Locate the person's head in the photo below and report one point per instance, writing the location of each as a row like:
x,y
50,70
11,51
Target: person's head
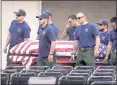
x,y
113,22
81,18
43,18
103,25
20,14
49,13
72,20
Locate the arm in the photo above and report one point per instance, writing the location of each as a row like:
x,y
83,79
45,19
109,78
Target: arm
x,y
97,42
52,48
109,47
37,38
75,46
8,39
26,33
64,34
7,42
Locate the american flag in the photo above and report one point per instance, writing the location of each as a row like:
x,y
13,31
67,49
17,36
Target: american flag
x,y
63,48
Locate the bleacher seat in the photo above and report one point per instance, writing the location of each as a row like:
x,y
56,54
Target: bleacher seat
x,y
21,78
42,81
104,83
107,67
104,74
44,68
57,75
72,80
106,70
81,71
68,68
86,75
63,71
17,68
36,71
99,78
4,79
92,68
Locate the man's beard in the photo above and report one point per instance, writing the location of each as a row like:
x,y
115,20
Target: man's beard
x,y
101,30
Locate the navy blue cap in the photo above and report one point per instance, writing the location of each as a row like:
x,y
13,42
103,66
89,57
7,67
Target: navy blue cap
x,y
20,12
103,22
43,16
113,19
48,12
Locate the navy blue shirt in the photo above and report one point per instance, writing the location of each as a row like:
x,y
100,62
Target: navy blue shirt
x,y
71,31
19,31
47,35
85,34
104,37
113,38
55,28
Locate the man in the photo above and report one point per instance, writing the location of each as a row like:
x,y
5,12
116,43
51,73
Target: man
x,y
112,42
55,28
47,42
104,34
71,28
19,31
87,40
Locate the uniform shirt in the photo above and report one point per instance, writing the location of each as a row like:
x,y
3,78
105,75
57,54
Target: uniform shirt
x,y
55,28
47,35
86,34
71,31
113,38
18,31
104,37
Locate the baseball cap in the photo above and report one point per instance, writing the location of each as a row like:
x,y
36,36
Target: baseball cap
x,y
43,16
20,12
113,19
103,22
48,12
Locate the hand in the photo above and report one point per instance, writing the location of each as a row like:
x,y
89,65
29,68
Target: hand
x,y
5,50
72,56
50,58
105,60
96,52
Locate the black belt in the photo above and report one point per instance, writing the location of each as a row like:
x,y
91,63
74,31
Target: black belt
x,y
83,49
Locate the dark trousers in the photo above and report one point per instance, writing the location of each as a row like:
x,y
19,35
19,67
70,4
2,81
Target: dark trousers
x,y
44,61
113,58
8,60
86,58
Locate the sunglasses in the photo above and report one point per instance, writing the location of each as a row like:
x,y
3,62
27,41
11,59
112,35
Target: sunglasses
x,y
80,17
40,18
18,15
70,21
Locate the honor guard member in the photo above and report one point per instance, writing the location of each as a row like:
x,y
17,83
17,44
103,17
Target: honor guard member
x,y
87,40
72,25
103,29
55,28
112,45
47,42
19,31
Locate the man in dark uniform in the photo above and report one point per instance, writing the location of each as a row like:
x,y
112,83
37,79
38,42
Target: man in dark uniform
x,y
47,42
70,30
103,29
87,40
112,42
19,31
55,28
